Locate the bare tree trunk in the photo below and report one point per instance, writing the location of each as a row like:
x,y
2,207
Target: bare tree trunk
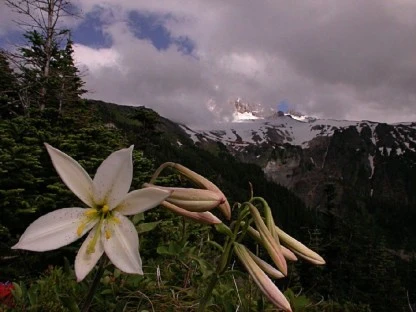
x,y
48,48
61,95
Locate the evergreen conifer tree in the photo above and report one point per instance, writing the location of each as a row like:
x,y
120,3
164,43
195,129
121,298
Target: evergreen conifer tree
x,y
8,89
70,84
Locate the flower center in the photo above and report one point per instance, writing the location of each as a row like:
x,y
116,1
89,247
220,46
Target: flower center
x,y
105,215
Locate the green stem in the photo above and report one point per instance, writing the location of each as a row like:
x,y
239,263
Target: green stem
x,y
159,171
221,267
225,258
94,285
184,236
208,292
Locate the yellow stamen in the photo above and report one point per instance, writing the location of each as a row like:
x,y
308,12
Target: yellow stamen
x,y
91,212
115,220
81,228
91,247
107,234
93,242
105,209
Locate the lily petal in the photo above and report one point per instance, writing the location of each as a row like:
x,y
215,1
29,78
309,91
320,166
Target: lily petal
x,y
54,230
113,178
121,244
73,175
85,261
141,200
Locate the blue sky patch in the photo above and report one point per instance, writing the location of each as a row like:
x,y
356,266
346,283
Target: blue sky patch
x,y
283,106
151,27
90,32
12,39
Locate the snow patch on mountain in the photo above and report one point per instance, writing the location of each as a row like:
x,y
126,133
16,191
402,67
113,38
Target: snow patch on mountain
x,y
371,161
241,117
253,124
283,129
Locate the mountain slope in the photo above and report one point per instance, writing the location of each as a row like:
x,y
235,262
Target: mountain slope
x,y
343,164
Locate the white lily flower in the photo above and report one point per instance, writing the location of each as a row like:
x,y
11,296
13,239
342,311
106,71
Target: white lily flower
x,y
109,202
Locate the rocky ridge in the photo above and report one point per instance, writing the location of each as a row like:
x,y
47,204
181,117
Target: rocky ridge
x,y
324,161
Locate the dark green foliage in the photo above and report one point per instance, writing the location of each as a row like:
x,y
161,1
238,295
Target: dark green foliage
x,y
360,267
48,80
55,291
35,84
67,83
9,101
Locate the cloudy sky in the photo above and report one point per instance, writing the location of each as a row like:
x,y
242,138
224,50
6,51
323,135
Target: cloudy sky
x,y
327,58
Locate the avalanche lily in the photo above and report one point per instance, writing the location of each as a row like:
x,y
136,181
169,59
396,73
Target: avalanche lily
x,y
109,202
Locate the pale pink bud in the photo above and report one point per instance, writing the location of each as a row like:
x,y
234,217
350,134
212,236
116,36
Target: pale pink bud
x,y
266,267
268,241
299,248
200,217
224,207
289,255
265,284
195,200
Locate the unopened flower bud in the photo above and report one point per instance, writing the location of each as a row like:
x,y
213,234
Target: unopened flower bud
x,y
299,248
204,183
265,284
201,217
289,255
191,199
267,268
268,241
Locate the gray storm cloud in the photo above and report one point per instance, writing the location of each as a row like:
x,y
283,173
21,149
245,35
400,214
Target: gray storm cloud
x,y
328,58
